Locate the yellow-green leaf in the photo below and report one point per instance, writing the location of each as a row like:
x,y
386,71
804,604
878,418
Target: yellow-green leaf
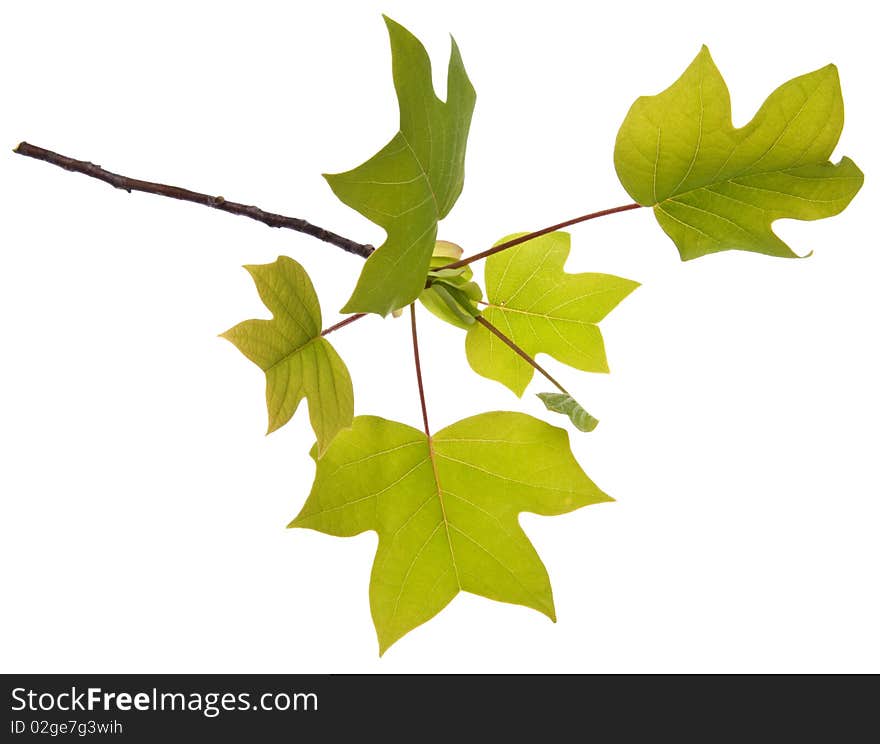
x,y
542,309
298,362
446,510
413,182
714,187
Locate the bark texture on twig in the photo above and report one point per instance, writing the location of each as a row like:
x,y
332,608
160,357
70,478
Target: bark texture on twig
x,y
175,192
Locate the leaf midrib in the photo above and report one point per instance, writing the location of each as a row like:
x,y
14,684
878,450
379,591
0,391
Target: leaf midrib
x,y
444,523
433,457
732,180
545,316
424,175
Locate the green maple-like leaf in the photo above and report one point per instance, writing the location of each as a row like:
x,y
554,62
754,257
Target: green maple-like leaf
x,y
412,182
714,187
297,361
446,510
542,309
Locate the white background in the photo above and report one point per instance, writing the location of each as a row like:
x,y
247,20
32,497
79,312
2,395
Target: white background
x,y
144,512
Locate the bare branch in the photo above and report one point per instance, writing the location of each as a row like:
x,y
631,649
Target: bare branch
x,y
175,192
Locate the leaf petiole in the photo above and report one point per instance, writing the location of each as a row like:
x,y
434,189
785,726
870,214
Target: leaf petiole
x,y
538,233
415,342
343,323
561,402
492,329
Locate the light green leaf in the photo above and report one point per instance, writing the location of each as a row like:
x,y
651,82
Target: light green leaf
x,y
445,252
714,187
450,303
447,273
566,405
452,294
413,182
297,361
542,309
446,510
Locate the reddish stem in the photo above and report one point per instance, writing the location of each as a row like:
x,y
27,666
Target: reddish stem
x,y
537,234
485,323
343,323
415,340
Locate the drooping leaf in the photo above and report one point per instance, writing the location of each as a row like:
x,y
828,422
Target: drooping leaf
x,y
446,510
714,187
413,182
542,309
289,348
566,405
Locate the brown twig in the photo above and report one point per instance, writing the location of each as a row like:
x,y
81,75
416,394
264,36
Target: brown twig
x,y
175,192
537,234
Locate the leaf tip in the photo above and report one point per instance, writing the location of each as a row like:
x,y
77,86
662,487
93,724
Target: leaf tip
x,y
252,269
454,52
298,522
391,24
703,56
385,642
